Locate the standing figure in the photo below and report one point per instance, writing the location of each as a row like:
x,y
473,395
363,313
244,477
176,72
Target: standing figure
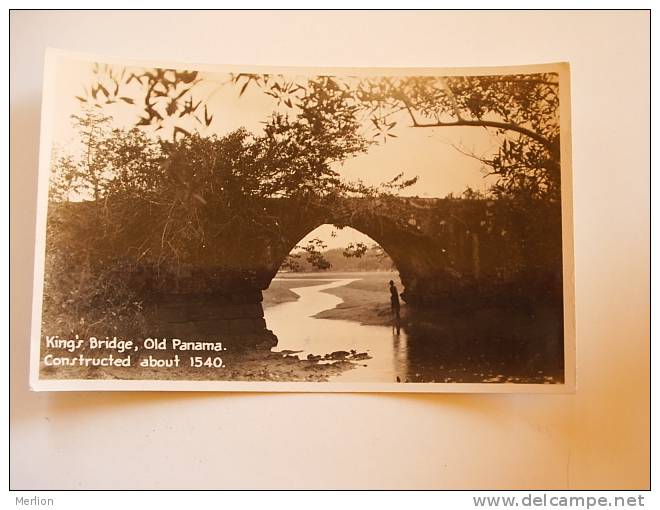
x,y
396,306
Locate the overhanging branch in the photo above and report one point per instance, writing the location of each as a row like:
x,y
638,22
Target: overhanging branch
x,y
506,126
493,124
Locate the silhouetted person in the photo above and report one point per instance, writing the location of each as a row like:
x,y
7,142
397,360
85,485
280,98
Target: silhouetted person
x,y
396,306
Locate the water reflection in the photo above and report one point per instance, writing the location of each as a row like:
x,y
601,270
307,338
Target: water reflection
x,y
432,346
302,335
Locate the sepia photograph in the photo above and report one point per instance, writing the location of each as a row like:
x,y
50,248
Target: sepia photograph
x,y
364,252
293,229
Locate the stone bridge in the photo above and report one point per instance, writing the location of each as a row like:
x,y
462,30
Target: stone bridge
x,y
434,243
448,252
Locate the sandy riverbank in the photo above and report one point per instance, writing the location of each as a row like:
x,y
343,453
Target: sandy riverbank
x,y
280,289
366,300
488,344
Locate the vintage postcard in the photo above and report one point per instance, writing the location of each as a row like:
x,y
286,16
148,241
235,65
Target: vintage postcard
x,y
230,228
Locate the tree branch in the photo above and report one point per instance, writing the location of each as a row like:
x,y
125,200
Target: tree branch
x,y
552,148
452,99
493,124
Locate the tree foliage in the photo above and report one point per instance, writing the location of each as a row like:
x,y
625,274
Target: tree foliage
x,y
317,122
521,110
194,185
161,94
313,254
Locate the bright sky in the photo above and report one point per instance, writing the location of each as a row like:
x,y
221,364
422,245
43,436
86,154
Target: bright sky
x,y
334,237
429,153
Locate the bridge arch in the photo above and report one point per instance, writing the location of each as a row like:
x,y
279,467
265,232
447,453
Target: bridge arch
x,y
414,255
338,238
447,251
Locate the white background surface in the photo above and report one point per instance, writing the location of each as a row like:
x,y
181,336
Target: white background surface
x,y
597,438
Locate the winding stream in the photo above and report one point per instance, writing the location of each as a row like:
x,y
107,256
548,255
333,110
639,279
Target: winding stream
x,y
495,345
297,330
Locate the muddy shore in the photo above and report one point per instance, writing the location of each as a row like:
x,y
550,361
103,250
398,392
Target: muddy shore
x,y
244,365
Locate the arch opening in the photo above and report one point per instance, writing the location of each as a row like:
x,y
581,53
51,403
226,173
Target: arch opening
x,y
335,272
332,248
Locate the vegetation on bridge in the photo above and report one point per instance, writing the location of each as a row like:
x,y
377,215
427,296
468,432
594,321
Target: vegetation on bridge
x,y
149,208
